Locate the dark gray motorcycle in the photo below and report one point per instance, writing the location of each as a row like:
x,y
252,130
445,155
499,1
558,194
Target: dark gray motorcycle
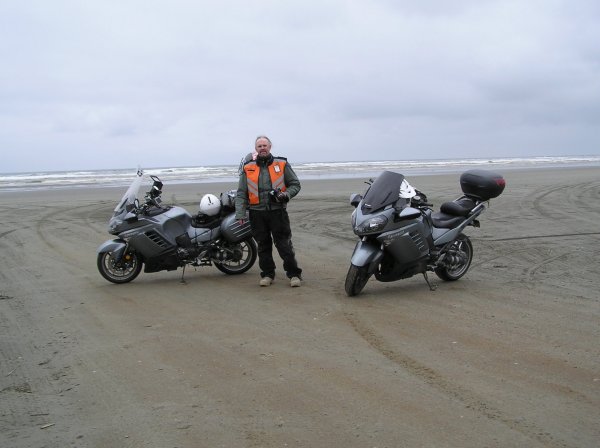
x,y
160,238
401,237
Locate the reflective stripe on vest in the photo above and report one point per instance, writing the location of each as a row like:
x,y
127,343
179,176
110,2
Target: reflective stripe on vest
x,y
276,171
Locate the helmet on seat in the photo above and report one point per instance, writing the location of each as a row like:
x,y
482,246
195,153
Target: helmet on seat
x,y
210,205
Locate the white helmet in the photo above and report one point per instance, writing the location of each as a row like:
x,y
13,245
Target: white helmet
x,y
406,190
210,205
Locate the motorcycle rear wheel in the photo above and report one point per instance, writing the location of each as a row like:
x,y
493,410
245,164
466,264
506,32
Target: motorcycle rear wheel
x,y
461,254
119,271
356,279
244,256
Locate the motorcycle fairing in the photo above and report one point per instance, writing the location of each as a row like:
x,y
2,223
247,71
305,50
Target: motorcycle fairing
x,y
390,270
168,262
384,191
407,243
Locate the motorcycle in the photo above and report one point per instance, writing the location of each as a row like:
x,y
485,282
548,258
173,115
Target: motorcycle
x,y
401,237
159,237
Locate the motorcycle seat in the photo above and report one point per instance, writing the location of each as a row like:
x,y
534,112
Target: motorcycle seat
x,y
452,213
459,207
445,221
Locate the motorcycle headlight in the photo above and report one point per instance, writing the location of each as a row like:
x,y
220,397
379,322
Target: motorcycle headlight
x,y
353,219
372,225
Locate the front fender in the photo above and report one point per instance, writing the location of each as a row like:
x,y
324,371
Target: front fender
x,y
117,247
367,253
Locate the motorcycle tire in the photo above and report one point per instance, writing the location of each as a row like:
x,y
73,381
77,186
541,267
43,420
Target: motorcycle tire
x,y
122,271
245,253
356,279
461,254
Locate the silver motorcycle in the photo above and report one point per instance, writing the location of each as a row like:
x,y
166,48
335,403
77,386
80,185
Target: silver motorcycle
x,y
402,237
157,237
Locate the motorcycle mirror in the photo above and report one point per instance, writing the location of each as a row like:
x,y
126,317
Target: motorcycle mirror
x,y
355,199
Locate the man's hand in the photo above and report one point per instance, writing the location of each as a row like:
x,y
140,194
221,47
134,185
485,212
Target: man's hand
x,y
282,196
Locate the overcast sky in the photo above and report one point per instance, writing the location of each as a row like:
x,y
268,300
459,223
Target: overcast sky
x,y
120,83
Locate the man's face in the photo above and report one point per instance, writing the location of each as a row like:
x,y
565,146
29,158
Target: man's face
x,y
263,147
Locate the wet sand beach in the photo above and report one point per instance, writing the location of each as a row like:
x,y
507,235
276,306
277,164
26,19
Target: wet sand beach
x,y
508,356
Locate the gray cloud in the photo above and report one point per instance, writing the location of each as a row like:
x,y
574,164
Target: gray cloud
x,y
104,84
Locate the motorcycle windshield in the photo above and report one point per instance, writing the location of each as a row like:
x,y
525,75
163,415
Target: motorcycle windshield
x,y
128,199
384,191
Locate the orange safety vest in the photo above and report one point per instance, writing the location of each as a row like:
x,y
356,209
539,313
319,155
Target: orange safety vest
x,y
276,171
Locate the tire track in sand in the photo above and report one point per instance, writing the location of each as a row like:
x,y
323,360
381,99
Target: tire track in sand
x,y
3,234
48,221
437,381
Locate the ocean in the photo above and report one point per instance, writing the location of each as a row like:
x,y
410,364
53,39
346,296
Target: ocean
x,y
321,170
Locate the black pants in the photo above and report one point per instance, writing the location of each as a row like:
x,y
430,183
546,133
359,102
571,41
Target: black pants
x,y
274,226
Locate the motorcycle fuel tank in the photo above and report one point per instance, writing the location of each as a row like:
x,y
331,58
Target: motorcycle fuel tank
x,y
174,222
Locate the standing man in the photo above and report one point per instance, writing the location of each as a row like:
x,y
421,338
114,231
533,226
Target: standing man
x,y
266,185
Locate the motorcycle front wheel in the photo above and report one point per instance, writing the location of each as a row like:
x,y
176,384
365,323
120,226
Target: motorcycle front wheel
x,y
457,260
119,271
240,257
356,279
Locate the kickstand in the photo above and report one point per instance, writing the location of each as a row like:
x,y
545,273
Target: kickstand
x,y
432,287
182,280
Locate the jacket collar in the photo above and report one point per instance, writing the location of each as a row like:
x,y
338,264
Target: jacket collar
x,y
266,161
